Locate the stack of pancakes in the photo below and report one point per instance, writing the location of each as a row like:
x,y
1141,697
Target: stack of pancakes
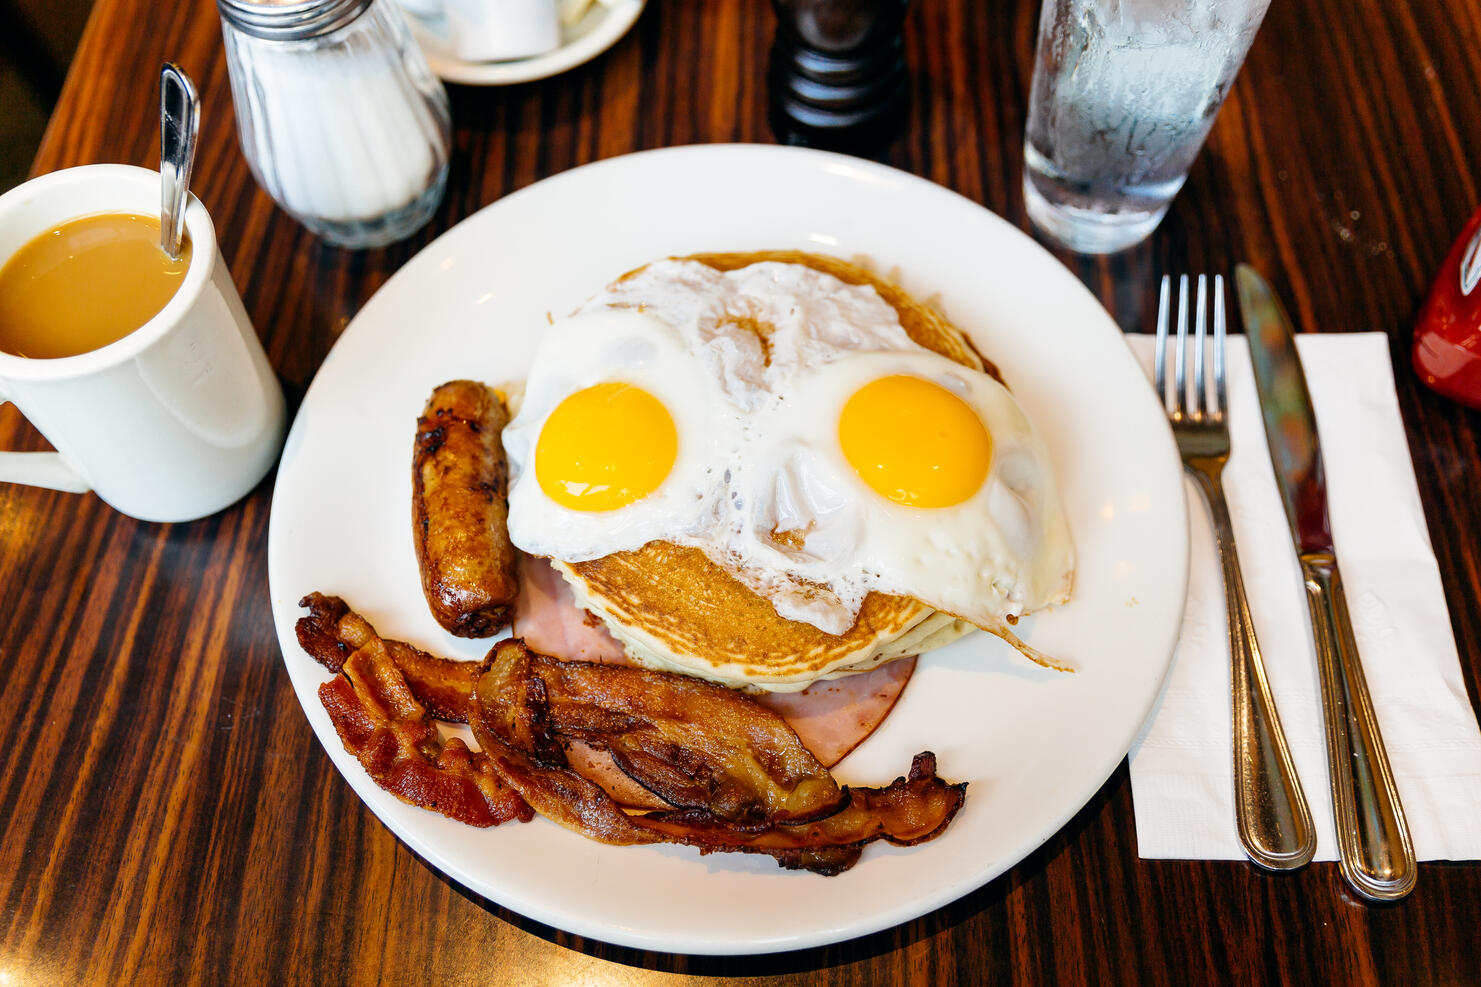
x,y
675,609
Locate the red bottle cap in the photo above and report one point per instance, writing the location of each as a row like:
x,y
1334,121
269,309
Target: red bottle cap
x,y
1447,338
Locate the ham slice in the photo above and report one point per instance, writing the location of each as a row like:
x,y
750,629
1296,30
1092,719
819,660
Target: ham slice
x,y
547,617
831,717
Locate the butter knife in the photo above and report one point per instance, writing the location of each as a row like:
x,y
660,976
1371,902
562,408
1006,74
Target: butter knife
x,y
1373,842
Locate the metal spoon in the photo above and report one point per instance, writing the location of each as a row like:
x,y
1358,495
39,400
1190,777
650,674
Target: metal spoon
x,y
179,124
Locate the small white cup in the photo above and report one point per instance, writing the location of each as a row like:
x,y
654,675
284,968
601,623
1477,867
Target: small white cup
x,y
175,421
500,30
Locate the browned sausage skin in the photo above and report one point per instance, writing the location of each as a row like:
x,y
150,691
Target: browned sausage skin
x,y
459,507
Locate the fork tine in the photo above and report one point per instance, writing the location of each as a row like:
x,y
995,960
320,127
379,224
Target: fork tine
x,y
1200,332
1160,361
1219,389
1180,353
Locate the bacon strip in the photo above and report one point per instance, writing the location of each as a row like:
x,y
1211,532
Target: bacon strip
x,y
737,777
396,741
908,811
694,744
331,631
515,720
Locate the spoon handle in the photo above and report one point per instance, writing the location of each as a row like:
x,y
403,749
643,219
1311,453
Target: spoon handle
x,y
179,123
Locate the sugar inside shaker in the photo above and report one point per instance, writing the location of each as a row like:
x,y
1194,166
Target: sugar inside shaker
x,y
339,117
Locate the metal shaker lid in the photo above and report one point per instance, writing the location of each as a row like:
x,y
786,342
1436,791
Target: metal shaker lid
x,y
290,20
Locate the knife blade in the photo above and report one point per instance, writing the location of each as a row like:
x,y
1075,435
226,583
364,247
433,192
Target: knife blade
x,y
1375,850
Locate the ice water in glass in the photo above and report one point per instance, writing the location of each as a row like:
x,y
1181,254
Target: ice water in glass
x,y
1124,93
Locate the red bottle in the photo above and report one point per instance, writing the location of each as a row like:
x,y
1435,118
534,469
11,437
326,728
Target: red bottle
x,y
1447,338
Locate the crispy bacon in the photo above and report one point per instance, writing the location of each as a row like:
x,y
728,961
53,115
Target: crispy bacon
x,y
514,717
692,743
908,811
331,631
379,720
736,776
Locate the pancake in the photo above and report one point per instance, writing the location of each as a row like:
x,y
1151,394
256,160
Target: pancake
x,y
675,609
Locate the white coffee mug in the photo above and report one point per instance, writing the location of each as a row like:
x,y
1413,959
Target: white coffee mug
x,y
178,419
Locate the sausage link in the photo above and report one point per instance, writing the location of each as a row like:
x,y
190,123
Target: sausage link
x,y
459,508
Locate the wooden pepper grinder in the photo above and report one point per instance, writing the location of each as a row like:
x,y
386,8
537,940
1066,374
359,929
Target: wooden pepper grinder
x,y
837,76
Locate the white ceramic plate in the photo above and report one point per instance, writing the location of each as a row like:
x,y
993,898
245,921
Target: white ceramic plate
x,y
1035,745
593,34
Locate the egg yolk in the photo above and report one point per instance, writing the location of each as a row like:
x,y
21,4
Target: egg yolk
x,y
605,447
915,442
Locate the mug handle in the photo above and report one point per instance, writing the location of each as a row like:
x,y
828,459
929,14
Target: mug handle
x,y
39,469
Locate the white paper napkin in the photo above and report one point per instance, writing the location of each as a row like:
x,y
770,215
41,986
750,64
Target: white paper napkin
x,y
1181,764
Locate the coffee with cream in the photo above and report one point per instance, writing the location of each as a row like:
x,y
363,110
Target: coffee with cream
x,y
84,284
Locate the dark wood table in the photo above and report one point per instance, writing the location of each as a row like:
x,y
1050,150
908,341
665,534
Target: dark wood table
x,y
167,816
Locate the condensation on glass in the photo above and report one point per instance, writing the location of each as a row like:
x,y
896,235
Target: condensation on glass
x,y
1124,93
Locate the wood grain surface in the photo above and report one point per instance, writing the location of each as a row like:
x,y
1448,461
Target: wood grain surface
x,y
166,814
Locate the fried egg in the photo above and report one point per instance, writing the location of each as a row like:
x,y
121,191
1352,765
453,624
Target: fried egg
x,y
824,458
906,473
617,441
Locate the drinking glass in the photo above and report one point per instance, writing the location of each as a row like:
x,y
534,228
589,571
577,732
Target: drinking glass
x,y
1124,93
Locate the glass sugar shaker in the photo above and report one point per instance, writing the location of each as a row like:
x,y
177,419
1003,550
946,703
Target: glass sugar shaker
x,y
340,118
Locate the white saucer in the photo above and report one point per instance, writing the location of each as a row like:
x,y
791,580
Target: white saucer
x,y
597,31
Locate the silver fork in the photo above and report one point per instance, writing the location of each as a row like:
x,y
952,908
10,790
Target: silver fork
x,y
1270,809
